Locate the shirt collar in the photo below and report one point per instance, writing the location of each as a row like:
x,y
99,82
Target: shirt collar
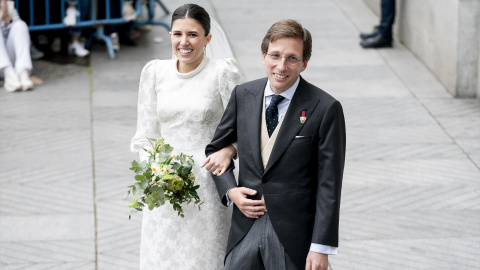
x,y
288,94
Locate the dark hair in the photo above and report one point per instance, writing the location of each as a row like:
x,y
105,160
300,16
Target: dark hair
x,y
195,12
289,29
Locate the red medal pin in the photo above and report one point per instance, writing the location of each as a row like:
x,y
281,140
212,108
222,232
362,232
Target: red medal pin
x,y
303,118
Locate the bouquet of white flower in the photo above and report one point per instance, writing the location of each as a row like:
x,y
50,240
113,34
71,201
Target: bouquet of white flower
x,y
163,177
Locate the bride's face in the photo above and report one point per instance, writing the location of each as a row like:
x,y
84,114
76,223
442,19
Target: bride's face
x,y
188,40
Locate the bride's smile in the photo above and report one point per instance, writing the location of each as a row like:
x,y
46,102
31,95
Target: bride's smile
x,y
188,41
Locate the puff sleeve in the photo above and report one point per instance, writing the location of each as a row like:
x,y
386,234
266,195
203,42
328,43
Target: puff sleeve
x,y
231,76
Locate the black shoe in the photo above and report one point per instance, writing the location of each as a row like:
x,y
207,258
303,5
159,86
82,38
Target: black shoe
x,y
377,41
369,35
126,40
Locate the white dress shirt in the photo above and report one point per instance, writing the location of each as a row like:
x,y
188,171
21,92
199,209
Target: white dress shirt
x,y
282,108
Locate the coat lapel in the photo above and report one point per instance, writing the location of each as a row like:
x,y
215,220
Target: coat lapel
x,y
253,112
301,101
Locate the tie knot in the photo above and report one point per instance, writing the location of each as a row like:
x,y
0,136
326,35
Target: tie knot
x,y
276,99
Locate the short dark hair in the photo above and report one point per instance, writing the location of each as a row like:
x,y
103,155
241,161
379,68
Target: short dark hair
x,y
289,29
195,12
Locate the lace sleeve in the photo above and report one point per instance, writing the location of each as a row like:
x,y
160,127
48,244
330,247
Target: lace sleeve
x,y
148,127
231,76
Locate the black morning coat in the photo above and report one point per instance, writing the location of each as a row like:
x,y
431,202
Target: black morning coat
x,y
302,181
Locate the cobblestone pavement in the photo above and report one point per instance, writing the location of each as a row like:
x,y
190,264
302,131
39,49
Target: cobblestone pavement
x,y
411,196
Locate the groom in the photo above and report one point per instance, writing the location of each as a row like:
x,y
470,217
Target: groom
x,y
291,146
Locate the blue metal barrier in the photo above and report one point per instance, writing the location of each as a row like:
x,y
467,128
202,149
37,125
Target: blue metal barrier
x,y
92,19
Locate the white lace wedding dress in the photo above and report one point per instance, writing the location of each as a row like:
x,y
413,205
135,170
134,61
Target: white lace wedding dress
x,y
185,109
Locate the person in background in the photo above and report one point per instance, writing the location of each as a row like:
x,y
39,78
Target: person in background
x,y
75,47
15,60
382,34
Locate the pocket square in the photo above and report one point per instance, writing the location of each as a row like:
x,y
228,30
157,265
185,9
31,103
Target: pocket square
x,y
299,137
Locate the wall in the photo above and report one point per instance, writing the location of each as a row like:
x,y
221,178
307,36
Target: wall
x,y
444,35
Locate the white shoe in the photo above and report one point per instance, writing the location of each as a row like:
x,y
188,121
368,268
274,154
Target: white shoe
x,y
25,80
128,12
115,41
12,83
71,16
78,49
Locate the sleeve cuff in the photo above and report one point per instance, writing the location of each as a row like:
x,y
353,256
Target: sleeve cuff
x,y
323,249
229,202
235,145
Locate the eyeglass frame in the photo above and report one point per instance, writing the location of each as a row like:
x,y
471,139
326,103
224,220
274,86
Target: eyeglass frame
x,y
297,60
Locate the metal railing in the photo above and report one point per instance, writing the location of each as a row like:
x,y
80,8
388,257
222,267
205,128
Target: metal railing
x,y
92,20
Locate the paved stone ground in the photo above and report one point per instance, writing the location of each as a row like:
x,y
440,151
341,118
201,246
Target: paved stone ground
x,y
411,196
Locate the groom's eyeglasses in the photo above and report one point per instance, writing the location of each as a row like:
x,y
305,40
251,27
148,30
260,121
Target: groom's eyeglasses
x,y
292,60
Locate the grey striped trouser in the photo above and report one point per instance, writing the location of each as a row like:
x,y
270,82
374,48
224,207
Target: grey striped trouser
x,y
259,249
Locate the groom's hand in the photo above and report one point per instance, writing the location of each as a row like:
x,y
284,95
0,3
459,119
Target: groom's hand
x,y
316,261
250,208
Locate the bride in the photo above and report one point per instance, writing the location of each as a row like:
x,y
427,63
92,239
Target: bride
x,y
183,100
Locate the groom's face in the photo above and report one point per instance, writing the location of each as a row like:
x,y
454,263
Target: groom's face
x,y
281,73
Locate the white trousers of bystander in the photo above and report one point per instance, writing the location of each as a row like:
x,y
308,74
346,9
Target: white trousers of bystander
x,y
15,48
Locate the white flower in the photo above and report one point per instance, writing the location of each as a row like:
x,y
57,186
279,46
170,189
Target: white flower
x,y
166,169
156,170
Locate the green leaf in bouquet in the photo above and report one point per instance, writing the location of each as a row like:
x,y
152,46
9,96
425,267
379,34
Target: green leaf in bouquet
x,y
185,159
126,194
136,187
185,170
159,190
139,177
151,159
131,212
144,183
175,165
156,197
135,204
151,201
148,173
166,148
162,157
138,168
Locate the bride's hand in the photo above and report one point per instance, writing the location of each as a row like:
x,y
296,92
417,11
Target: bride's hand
x,y
218,162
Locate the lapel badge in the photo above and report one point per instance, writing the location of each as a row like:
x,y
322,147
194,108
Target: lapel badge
x,y
303,118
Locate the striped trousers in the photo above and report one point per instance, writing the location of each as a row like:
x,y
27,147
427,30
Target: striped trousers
x,y
260,249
